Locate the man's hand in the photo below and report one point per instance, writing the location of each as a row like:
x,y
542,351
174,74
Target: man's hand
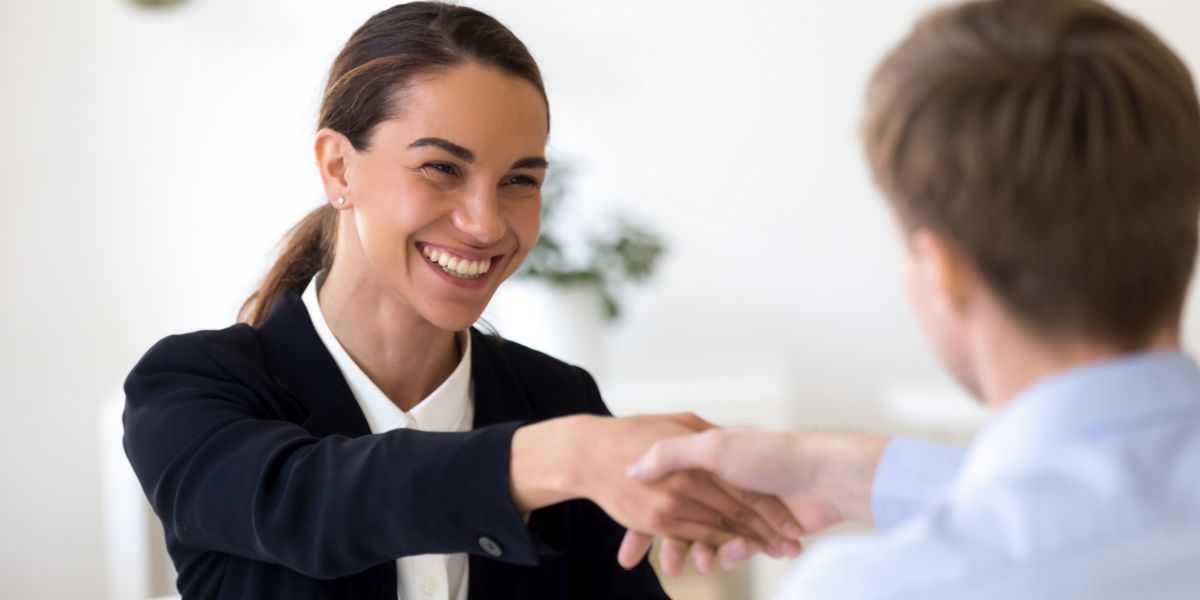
x,y
822,478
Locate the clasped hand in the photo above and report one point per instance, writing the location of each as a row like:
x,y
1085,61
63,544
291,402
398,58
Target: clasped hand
x,y
692,505
820,478
716,495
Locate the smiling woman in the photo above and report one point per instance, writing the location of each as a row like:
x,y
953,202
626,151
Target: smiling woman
x,y
459,175
354,436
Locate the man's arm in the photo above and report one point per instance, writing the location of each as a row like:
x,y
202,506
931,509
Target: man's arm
x,y
911,473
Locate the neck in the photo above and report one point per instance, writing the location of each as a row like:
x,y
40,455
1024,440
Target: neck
x,y
403,354
1007,360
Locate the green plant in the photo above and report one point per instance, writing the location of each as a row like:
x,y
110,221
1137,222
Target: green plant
x,y
625,252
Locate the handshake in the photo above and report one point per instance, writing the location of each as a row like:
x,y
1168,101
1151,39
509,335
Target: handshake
x,y
715,496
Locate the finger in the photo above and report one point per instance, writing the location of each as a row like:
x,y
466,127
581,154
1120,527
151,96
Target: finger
x,y
674,454
770,509
698,532
792,549
816,516
712,493
732,554
703,558
633,547
671,556
699,513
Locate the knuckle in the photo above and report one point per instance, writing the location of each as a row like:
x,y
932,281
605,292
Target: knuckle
x,y
743,515
657,521
671,505
714,538
689,482
654,452
677,483
665,505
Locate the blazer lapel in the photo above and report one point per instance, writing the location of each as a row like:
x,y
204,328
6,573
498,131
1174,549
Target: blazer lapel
x,y
300,364
499,396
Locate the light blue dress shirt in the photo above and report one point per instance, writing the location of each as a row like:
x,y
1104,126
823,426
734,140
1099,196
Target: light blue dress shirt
x,y
1087,485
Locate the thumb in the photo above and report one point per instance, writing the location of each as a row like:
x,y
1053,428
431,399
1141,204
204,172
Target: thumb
x,y
670,455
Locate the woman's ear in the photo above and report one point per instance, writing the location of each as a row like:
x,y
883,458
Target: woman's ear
x,y
334,153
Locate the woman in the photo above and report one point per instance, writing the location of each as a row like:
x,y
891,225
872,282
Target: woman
x,y
354,437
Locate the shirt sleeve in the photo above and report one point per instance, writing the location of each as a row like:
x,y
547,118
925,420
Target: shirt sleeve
x,y
911,474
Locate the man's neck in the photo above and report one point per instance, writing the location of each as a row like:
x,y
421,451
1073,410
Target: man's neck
x,y
1008,361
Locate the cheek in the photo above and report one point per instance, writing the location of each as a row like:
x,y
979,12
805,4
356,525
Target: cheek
x,y
399,211
526,221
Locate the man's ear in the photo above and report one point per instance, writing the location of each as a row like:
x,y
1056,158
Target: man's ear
x,y
943,270
334,153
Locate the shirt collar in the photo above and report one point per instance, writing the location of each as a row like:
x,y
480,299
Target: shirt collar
x,y
1080,405
447,408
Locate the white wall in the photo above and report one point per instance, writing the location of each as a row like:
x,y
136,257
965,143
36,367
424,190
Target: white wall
x,y
152,160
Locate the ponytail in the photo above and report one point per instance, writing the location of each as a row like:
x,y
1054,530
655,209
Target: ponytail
x,y
307,250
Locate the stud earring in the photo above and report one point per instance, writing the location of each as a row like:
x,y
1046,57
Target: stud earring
x,y
341,200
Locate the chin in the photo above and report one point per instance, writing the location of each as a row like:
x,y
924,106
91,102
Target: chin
x,y
453,320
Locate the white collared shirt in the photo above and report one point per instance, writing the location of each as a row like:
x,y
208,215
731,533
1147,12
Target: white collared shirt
x,y
1087,485
450,407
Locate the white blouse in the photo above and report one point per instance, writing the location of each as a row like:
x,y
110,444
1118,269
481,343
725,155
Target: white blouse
x,y
450,407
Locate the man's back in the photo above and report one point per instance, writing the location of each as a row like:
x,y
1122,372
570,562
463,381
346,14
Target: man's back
x,y
1086,486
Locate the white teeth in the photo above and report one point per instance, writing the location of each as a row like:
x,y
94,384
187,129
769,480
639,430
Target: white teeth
x,y
456,265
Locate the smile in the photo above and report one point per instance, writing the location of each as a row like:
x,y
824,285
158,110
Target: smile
x,y
457,266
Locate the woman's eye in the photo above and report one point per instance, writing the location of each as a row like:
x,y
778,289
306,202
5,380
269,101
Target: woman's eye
x,y
522,180
440,167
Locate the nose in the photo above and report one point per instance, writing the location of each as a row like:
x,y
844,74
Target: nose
x,y
479,215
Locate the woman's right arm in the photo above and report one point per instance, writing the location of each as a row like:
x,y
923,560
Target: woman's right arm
x,y
224,477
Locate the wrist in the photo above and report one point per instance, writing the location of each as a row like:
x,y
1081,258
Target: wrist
x,y
844,470
543,470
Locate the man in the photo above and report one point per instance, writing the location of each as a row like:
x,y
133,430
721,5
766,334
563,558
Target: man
x,y
1042,162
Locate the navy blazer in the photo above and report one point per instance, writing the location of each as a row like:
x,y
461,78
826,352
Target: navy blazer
x,y
255,455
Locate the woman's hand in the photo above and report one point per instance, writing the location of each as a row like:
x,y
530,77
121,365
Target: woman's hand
x,y
587,457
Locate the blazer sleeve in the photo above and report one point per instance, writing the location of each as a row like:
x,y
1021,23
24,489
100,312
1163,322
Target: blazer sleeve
x,y
223,478
601,576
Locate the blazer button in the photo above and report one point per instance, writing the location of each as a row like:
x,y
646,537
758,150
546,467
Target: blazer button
x,y
491,547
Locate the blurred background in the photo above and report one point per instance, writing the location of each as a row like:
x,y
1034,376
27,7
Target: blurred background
x,y
153,158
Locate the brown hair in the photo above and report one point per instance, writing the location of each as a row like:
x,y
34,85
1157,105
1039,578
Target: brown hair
x,y
1056,145
366,87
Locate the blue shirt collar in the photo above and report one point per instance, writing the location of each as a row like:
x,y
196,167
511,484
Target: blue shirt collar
x,y
1083,404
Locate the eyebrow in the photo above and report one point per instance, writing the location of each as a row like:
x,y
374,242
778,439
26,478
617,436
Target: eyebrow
x,y
530,162
448,146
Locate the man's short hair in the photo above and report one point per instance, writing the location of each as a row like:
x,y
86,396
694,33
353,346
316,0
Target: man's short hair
x,y
1056,145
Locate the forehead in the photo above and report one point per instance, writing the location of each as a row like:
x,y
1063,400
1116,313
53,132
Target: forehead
x,y
492,113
